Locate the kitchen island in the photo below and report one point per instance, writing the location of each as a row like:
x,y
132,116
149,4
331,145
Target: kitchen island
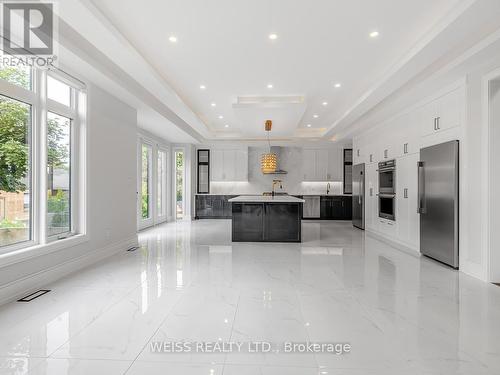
x,y
266,218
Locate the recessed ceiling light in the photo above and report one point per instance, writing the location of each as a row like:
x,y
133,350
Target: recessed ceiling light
x,y
374,34
315,116
325,103
172,38
270,86
203,87
337,85
221,117
226,126
308,125
273,36
213,104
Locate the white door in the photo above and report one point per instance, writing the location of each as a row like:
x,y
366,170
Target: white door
x,y
145,210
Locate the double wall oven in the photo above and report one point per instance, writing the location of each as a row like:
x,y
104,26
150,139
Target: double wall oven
x,y
387,189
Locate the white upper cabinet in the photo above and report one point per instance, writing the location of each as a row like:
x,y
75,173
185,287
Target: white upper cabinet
x,y
335,171
309,164
217,165
322,164
443,113
229,165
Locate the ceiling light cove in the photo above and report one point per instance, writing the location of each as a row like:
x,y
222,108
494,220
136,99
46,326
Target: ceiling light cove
x,y
374,34
273,36
172,39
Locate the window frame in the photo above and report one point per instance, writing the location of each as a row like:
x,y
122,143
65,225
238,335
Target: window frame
x,y
162,216
40,243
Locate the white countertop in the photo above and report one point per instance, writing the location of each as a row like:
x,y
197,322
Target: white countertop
x,y
266,199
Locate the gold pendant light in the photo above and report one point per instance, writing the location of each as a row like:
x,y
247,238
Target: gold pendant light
x,y
268,161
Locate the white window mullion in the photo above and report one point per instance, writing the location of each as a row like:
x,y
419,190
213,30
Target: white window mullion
x,y
41,161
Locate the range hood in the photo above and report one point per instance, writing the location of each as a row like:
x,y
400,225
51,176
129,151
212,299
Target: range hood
x,y
278,151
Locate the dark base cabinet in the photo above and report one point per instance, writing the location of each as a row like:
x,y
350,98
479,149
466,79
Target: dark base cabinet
x,y
336,208
266,222
213,206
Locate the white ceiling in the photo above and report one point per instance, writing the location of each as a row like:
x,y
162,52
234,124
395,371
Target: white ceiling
x,y
224,45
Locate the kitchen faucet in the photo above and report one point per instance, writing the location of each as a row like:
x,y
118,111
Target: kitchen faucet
x,y
275,182
327,188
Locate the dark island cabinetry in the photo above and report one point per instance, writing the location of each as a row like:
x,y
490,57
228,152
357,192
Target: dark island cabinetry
x,y
267,220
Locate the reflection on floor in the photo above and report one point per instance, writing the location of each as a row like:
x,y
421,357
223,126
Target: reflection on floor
x,y
401,314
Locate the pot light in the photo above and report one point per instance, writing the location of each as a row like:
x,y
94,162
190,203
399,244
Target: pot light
x,y
226,126
324,104
221,117
337,85
172,39
308,125
374,34
203,87
273,36
270,86
213,104
315,116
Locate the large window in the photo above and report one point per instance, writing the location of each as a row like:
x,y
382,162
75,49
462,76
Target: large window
x,y
15,177
40,134
59,174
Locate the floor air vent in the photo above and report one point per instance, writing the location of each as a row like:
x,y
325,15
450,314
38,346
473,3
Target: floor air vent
x,y
32,296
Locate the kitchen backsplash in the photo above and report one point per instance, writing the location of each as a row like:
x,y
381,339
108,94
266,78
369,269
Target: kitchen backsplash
x,y
290,161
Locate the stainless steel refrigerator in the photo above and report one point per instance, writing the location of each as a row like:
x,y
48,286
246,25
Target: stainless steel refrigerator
x,y
358,196
438,202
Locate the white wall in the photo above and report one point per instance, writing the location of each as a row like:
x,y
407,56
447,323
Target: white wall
x,y
111,197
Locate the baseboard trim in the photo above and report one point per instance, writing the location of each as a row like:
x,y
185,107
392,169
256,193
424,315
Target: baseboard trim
x,y
398,246
29,284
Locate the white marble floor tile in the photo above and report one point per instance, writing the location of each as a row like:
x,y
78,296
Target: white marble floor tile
x,y
18,365
189,283
162,368
62,366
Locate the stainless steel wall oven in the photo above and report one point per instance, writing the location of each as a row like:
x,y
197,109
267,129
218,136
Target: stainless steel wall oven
x,y
387,189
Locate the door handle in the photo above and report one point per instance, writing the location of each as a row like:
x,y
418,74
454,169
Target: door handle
x,y
360,188
421,188
437,123
405,194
